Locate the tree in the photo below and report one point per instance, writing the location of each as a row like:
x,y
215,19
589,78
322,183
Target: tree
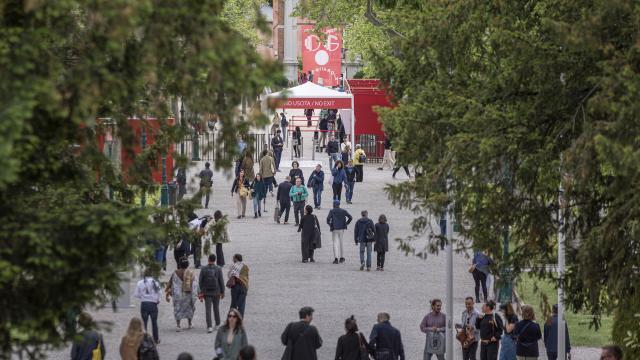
x,y
64,64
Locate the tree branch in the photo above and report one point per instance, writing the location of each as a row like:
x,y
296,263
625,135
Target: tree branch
x,y
371,16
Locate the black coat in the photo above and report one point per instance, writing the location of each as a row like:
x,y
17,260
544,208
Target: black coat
x,y
283,194
301,341
181,250
349,347
308,225
294,173
385,336
382,238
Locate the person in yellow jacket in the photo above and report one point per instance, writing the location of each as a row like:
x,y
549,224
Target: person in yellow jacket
x,y
359,158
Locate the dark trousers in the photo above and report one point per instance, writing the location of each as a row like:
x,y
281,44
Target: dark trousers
x,y
219,255
470,352
359,172
206,191
210,300
406,169
307,249
182,191
278,155
197,252
150,309
489,351
284,209
238,297
298,210
337,191
380,258
308,120
553,356
481,279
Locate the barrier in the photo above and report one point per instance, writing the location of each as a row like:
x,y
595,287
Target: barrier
x,y
373,146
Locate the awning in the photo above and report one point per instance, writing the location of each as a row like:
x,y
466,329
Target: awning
x,y
310,96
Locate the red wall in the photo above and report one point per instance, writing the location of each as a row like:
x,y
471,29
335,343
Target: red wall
x,y
366,96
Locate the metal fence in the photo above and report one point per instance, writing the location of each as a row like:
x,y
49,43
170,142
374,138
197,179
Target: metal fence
x,y
373,146
202,147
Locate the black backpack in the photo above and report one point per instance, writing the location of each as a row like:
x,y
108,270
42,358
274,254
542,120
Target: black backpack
x,y
147,349
209,279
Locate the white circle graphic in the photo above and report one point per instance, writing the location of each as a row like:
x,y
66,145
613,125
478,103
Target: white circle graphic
x,y
322,58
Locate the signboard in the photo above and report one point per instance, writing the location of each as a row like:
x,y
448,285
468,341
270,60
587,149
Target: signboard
x,y
311,103
323,59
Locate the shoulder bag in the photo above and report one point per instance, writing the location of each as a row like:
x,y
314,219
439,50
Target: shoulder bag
x,y
364,352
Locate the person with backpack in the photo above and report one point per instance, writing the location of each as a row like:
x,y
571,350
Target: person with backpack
x,y
182,287
310,231
212,286
350,183
136,344
386,340
91,346
148,291
365,235
359,158
339,177
382,241
301,338
352,345
491,328
528,333
333,149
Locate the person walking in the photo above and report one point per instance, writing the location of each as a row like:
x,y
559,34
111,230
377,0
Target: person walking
x,y
333,149
284,124
267,170
551,336
364,235
350,183
91,345
182,248
231,337
308,113
480,271
387,158
491,329
528,333
212,284
206,182
298,194
397,168
258,192
136,344
468,326
381,245
297,141
386,340
241,187
239,283
182,286
338,219
508,339
284,199
316,181
216,232
247,165
148,291
323,128
301,338
359,158
181,180
339,177
352,345
295,173
310,232
434,324
345,151
277,144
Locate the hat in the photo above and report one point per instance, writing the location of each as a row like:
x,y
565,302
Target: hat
x,y
336,202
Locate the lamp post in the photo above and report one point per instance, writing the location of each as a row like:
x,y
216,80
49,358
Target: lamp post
x,y
448,231
143,145
195,156
181,124
506,287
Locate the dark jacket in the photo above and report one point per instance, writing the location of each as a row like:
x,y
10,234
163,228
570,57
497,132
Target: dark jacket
x,y
211,280
235,187
488,328
317,180
350,172
83,350
296,173
349,347
184,249
259,189
277,143
283,193
338,219
385,336
308,225
360,230
339,176
323,124
528,333
333,147
382,237
301,341
551,336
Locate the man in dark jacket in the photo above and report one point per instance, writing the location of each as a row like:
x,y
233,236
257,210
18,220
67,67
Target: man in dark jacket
x,y
206,182
284,199
338,219
301,338
333,149
283,124
386,339
551,336
211,283
277,144
91,340
491,328
364,234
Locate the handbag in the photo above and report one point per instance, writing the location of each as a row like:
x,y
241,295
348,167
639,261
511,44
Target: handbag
x,y
276,213
472,268
231,283
466,336
364,352
96,354
243,192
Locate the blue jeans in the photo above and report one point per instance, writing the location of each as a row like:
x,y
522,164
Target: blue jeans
x,y
257,204
333,157
238,297
363,246
148,310
317,196
159,255
278,155
349,190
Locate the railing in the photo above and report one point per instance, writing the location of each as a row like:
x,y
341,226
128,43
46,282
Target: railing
x,y
202,147
373,146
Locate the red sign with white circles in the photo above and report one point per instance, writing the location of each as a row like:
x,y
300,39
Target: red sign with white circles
x,y
322,58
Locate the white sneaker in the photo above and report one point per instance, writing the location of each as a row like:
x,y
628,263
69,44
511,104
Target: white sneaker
x,y
178,329
210,330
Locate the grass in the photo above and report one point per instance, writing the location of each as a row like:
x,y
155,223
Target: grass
x,y
581,333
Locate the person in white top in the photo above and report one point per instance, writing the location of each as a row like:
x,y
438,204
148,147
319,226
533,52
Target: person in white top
x,y
148,291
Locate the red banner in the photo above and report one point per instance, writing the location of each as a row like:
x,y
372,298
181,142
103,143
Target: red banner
x,y
323,59
320,103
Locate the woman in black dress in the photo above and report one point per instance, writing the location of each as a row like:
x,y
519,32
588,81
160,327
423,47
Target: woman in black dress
x,y
297,141
308,226
382,241
352,345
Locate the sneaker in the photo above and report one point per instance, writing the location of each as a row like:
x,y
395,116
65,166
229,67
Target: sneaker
x,y
378,268
286,223
278,220
255,215
311,260
335,261
158,342
239,216
381,269
368,269
178,329
341,260
361,267
304,260
210,330
380,168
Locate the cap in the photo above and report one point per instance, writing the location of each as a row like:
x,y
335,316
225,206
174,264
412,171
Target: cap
x,y
336,202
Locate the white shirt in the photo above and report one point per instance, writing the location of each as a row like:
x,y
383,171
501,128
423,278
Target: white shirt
x,y
148,290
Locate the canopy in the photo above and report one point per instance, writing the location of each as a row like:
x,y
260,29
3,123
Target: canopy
x,y
311,96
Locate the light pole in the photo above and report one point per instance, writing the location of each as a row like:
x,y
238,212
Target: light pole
x,y
182,125
506,288
561,261
195,156
143,145
449,232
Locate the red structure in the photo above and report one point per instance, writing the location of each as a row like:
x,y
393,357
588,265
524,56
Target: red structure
x,y
367,95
